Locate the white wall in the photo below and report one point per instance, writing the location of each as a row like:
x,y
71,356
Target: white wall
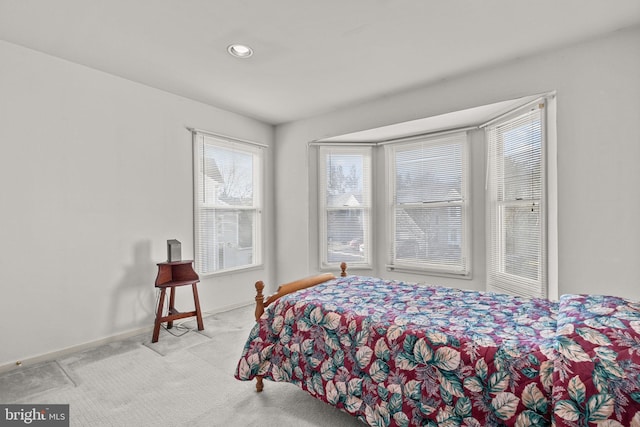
x,y
598,100
96,176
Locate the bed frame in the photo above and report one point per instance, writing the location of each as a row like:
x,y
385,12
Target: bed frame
x,y
307,282
576,360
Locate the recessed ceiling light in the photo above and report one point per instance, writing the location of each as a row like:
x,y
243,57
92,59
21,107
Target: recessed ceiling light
x,y
240,50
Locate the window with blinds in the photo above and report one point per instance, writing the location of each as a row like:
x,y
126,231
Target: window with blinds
x,y
428,183
227,204
516,209
345,205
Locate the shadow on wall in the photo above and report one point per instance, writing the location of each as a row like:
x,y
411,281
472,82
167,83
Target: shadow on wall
x,y
133,300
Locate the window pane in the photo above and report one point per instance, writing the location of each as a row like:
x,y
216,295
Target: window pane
x,y
344,185
515,192
429,174
522,150
226,240
345,233
228,176
227,204
345,203
429,198
521,228
429,235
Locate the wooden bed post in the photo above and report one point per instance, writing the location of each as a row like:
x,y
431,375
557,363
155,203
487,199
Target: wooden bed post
x,y
259,299
259,312
343,268
259,383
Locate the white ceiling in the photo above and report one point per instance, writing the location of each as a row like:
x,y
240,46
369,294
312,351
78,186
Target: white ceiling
x,y
311,56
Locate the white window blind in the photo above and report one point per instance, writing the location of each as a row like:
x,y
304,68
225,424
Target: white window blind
x,y
516,258
429,204
227,204
345,205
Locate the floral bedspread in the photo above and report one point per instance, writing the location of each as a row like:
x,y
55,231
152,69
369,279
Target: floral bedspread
x,y
400,354
596,379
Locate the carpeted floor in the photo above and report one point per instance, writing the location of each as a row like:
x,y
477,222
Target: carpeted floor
x,y
184,380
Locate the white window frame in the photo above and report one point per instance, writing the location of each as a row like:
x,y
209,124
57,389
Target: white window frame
x,y
366,207
462,270
498,279
256,150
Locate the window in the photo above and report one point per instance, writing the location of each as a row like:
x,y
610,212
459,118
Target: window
x,y
516,238
428,189
227,204
345,205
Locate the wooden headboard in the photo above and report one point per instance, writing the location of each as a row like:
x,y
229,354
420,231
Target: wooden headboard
x,y
287,288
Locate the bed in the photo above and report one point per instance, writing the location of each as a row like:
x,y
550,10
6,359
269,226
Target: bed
x,y
402,354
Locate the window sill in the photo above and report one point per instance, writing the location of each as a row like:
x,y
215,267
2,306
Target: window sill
x,y
231,271
429,272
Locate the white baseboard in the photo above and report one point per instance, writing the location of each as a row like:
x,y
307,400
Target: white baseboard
x,y
48,357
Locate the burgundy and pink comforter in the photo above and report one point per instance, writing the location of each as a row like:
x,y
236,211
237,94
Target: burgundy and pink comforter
x,y
399,354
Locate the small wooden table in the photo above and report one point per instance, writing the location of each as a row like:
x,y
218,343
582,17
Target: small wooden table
x,y
171,275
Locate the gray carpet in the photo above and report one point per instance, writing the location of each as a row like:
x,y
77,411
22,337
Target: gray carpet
x,y
184,379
